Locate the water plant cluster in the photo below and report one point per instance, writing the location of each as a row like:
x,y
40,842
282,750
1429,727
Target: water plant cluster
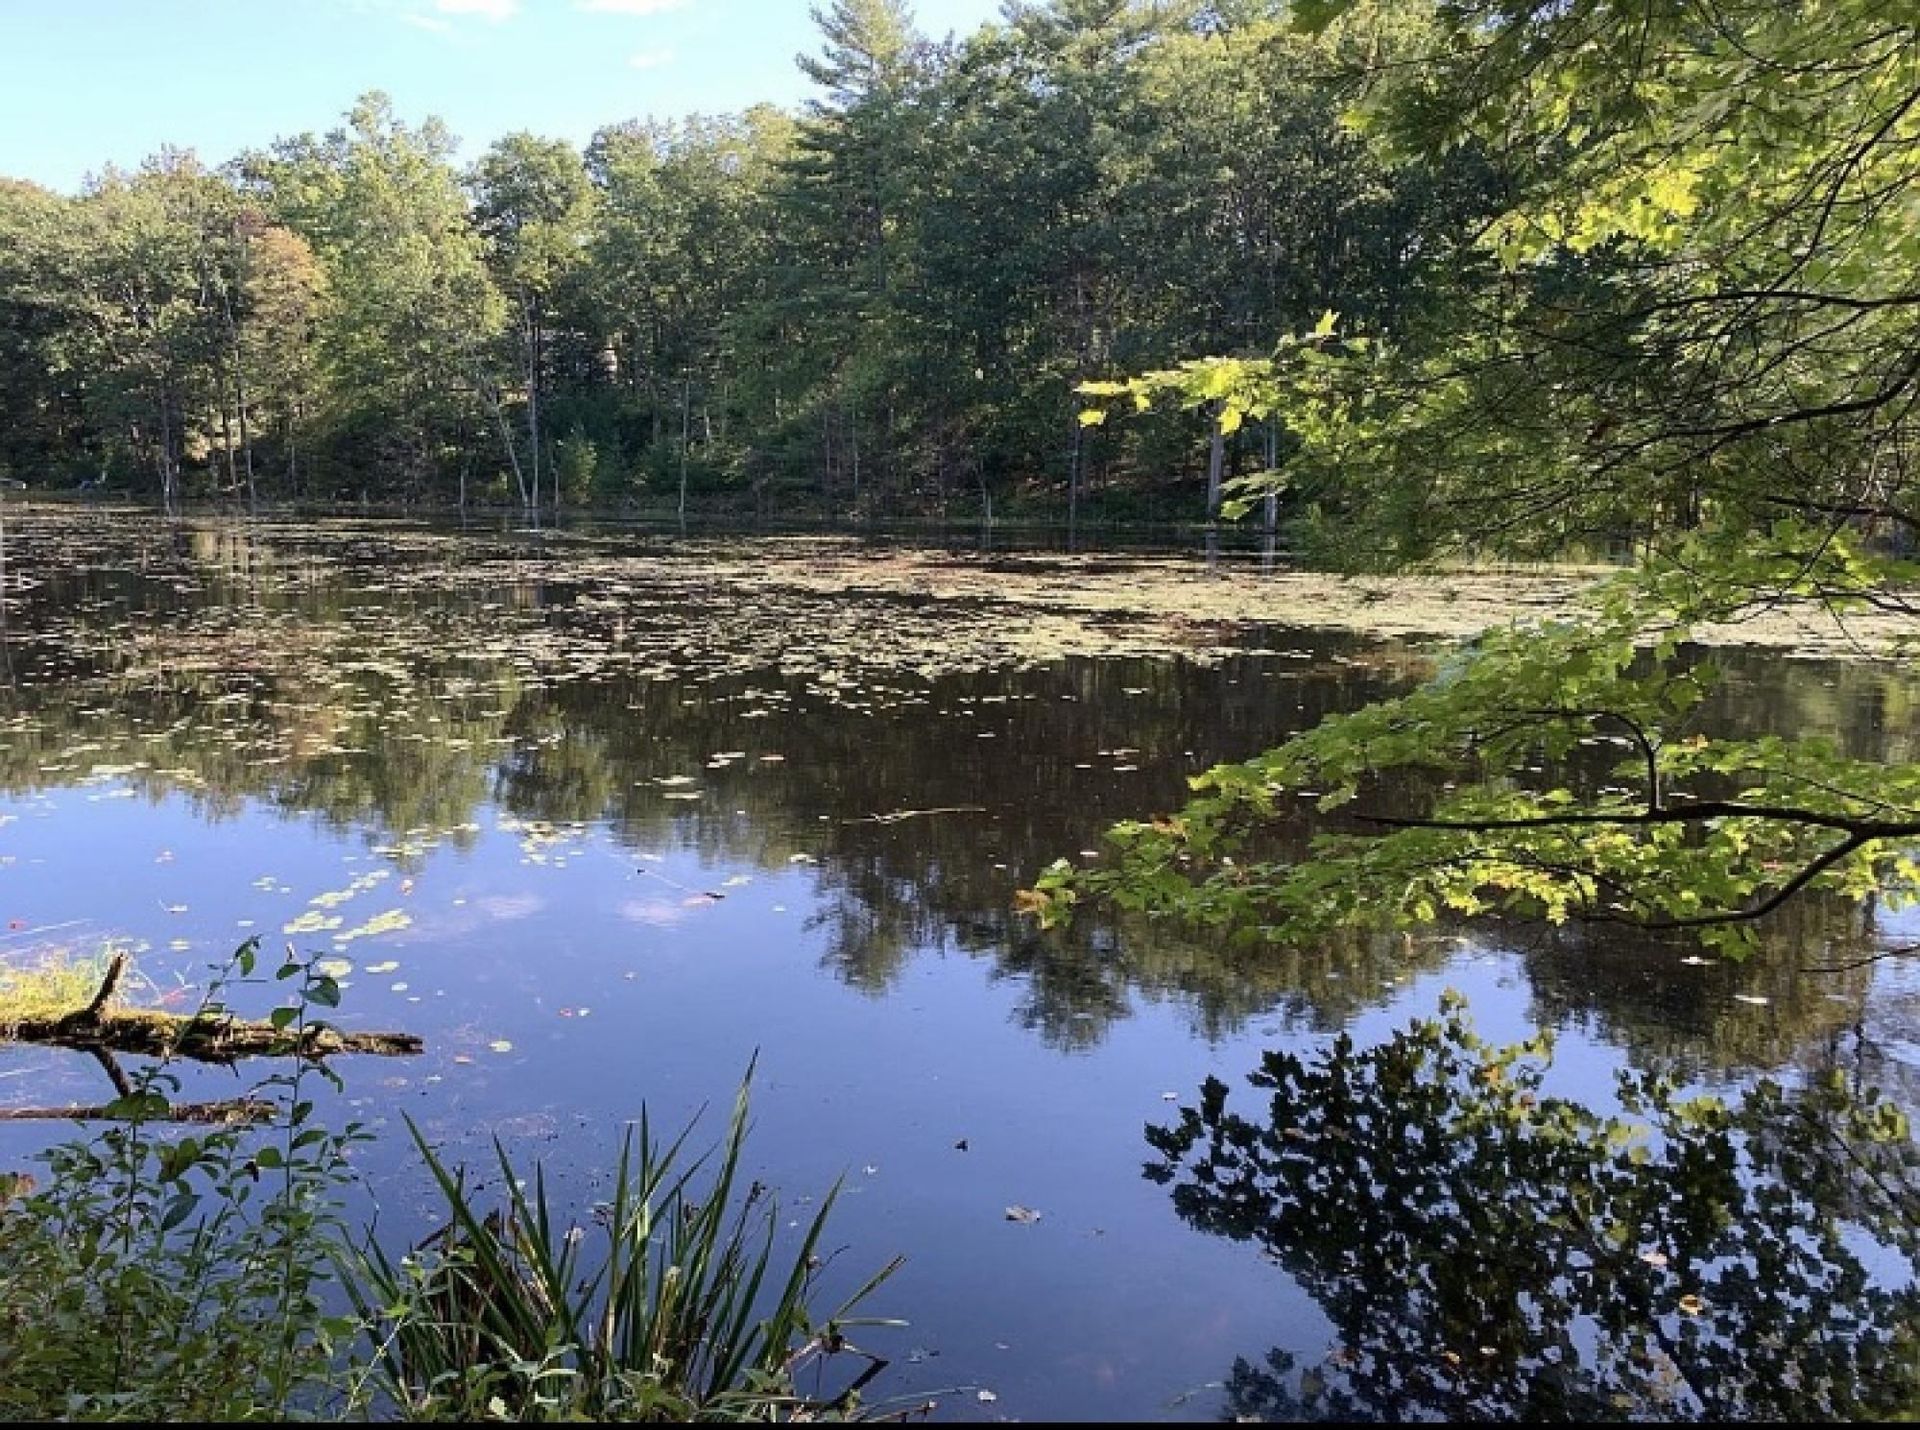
x,y
157,1275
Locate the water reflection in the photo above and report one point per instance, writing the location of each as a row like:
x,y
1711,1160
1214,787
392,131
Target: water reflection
x,y
1483,1250
655,818
367,679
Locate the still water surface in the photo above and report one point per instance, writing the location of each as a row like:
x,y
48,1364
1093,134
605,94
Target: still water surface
x,y
603,825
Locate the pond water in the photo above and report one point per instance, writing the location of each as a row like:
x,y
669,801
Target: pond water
x,y
605,815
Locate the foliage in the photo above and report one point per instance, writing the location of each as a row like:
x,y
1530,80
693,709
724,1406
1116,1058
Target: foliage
x,y
1691,329
1487,1251
877,303
688,1314
407,306
1553,771
1697,305
162,1276
159,1277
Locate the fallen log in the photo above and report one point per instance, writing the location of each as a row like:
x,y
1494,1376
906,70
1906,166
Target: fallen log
x,y
200,1037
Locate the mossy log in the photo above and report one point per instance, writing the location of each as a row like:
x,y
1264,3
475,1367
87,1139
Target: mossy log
x,y
202,1038
199,1037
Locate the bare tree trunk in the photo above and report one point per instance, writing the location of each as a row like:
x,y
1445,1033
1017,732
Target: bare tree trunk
x,y
169,477
853,447
531,326
492,399
239,398
1073,473
1216,466
246,433
6,647
826,455
889,454
226,443
686,410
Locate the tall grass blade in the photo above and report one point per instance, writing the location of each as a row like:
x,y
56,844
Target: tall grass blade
x,y
690,1312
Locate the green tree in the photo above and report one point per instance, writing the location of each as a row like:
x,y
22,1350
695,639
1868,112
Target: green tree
x,y
678,259
39,403
1695,323
533,203
281,287
408,309
151,267
838,267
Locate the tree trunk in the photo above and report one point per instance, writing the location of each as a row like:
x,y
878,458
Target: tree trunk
x,y
1216,466
1272,513
853,451
238,1111
686,412
531,325
169,475
239,398
100,1027
492,398
1073,473
826,454
226,443
246,432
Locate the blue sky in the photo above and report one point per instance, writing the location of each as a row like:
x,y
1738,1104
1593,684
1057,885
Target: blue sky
x,y
88,82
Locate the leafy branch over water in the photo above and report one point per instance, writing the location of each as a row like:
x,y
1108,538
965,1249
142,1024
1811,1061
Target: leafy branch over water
x,y
1694,316
1551,771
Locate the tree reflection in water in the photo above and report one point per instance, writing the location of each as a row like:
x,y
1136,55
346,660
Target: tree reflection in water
x,y
1485,1250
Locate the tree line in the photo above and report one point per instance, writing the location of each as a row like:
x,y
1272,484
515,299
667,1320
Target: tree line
x,y
880,304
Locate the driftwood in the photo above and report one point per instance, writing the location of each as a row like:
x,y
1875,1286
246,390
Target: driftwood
x,y
199,1037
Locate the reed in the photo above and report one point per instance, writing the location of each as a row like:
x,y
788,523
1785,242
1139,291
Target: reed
x,y
678,1306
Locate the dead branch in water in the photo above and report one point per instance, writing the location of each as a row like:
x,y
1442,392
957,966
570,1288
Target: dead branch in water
x,y
227,1112
899,814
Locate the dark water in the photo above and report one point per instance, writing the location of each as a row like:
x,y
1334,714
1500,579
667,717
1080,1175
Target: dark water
x,y
602,830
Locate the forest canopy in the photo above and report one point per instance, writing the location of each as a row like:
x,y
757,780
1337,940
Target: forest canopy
x,y
880,304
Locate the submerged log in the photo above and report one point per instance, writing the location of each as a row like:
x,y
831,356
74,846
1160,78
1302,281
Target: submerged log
x,y
241,1110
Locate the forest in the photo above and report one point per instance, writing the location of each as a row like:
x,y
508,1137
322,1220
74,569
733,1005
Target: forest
x,y
878,306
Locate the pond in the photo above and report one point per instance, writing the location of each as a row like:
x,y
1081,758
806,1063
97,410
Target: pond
x,y
604,815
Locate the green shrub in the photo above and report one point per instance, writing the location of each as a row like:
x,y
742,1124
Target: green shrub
x,y
163,1277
